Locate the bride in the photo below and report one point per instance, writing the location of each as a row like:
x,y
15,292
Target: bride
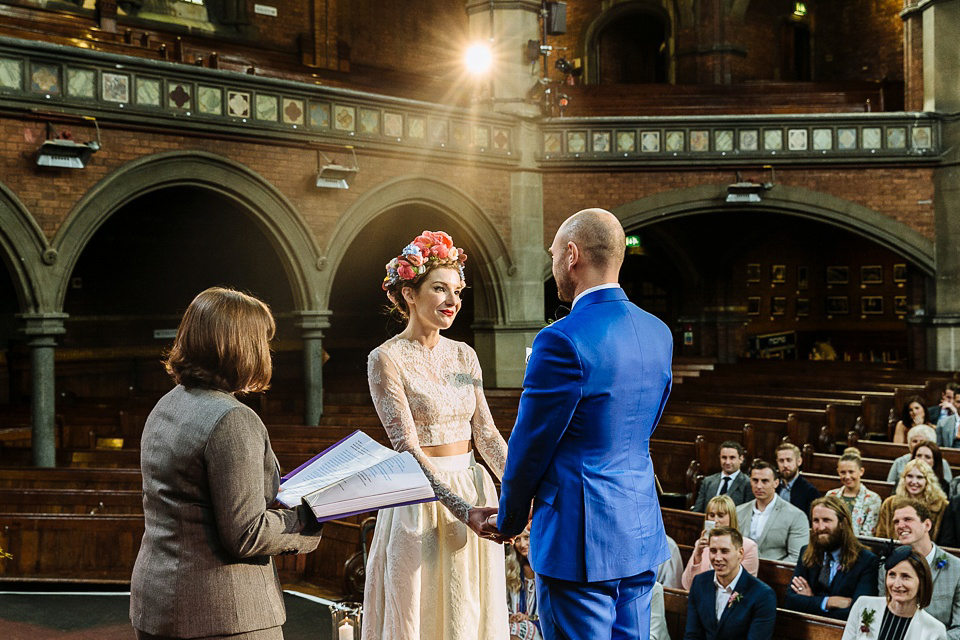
x,y
435,570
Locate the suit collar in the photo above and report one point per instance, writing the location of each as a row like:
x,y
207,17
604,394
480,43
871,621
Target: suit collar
x,y
739,586
611,291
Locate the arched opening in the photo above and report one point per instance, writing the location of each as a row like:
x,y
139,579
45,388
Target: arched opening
x,y
359,321
796,51
631,47
137,274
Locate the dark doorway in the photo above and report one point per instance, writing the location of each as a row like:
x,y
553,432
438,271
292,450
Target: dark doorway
x,y
632,49
796,48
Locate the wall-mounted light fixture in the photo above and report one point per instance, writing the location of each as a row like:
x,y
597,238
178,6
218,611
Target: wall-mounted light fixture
x,y
62,152
748,191
331,175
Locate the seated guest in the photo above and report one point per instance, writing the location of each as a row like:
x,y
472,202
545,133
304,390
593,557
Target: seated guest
x,y
915,436
670,571
834,568
912,523
658,615
930,453
521,590
948,422
950,524
779,528
728,603
899,614
949,396
920,483
913,414
729,482
864,505
721,512
794,488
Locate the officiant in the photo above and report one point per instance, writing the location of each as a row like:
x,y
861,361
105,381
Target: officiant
x,y
205,569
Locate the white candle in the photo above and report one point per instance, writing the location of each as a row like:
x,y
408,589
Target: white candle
x,y
346,631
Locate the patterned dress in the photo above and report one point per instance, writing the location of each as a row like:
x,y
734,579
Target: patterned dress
x,y
428,575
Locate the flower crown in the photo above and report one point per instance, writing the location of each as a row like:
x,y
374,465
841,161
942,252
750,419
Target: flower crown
x,y
430,248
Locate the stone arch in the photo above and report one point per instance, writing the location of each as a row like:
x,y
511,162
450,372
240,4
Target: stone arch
x,y
611,11
494,257
792,201
23,248
277,217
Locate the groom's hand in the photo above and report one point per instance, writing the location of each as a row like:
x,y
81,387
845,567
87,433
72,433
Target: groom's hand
x,y
479,520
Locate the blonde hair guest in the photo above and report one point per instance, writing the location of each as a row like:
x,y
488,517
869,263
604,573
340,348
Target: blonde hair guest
x,y
919,482
722,512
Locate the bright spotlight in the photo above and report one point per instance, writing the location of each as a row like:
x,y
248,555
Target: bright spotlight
x,y
479,58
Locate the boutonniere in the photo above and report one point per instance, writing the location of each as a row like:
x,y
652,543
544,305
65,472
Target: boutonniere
x,y
734,599
940,561
866,619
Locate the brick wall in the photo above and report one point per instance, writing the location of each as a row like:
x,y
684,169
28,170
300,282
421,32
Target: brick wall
x,y
859,40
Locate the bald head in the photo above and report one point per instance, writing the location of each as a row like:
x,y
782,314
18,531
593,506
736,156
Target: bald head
x,y
599,236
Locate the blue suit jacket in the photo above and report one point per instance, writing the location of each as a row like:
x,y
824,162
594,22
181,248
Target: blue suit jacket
x,y
594,389
858,580
752,617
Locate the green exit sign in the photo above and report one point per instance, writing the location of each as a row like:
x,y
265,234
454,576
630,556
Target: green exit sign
x,y
799,8
633,241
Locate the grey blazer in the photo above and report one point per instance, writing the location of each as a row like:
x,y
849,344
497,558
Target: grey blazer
x,y
784,534
204,566
945,605
739,490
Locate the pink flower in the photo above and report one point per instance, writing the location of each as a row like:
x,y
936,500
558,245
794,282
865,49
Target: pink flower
x,y
441,251
405,271
414,259
439,237
462,256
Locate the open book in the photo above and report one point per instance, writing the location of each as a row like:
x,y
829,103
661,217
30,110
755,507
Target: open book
x,y
354,476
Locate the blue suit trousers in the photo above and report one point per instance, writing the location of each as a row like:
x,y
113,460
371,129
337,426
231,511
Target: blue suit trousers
x,y
612,609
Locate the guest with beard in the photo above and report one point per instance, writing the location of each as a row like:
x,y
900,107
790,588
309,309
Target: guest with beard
x,y
794,488
834,568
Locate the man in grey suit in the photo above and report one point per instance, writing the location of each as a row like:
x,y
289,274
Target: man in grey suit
x,y
779,528
912,524
729,482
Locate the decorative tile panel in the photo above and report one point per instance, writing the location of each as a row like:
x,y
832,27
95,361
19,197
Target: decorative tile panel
x,y
368,121
293,112
773,139
45,78
846,138
440,131
797,139
822,139
344,118
626,141
179,95
209,100
552,142
11,74
699,141
922,138
115,87
650,141
393,125
896,138
82,83
417,129
749,140
238,104
723,140
320,115
148,92
601,141
267,108
871,138
675,140
481,137
460,134
576,142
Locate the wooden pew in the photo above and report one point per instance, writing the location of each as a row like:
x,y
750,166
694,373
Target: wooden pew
x,y
71,501
77,478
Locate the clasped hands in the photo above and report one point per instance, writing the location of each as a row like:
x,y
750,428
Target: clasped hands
x,y
481,520
802,588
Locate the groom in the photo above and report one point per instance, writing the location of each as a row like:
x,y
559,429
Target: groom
x,y
594,389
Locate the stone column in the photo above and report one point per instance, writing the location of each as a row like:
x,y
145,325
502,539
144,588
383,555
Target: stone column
x,y
941,66
313,323
41,330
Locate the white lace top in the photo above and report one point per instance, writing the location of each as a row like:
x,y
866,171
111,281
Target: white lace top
x,y
430,396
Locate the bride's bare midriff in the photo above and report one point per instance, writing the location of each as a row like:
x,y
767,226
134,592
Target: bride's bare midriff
x,y
449,449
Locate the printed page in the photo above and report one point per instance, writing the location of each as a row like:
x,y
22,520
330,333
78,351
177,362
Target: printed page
x,y
376,487
354,454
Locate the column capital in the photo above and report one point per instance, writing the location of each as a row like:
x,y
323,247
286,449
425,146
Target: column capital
x,y
37,325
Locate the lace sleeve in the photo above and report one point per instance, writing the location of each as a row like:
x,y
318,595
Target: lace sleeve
x,y
389,398
490,443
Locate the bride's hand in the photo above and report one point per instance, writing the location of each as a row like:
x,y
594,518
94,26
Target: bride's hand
x,y
478,519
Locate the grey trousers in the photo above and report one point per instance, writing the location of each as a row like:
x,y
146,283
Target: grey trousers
x,y
273,633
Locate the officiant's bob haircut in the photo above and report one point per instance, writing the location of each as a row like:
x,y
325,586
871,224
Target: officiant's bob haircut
x,y
223,343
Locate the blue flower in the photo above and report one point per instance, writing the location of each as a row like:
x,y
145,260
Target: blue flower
x,y
941,561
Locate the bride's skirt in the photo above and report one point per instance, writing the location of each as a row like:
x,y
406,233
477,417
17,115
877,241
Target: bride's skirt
x,y
428,576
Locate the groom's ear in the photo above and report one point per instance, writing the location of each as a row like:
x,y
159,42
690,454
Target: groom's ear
x,y
573,254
